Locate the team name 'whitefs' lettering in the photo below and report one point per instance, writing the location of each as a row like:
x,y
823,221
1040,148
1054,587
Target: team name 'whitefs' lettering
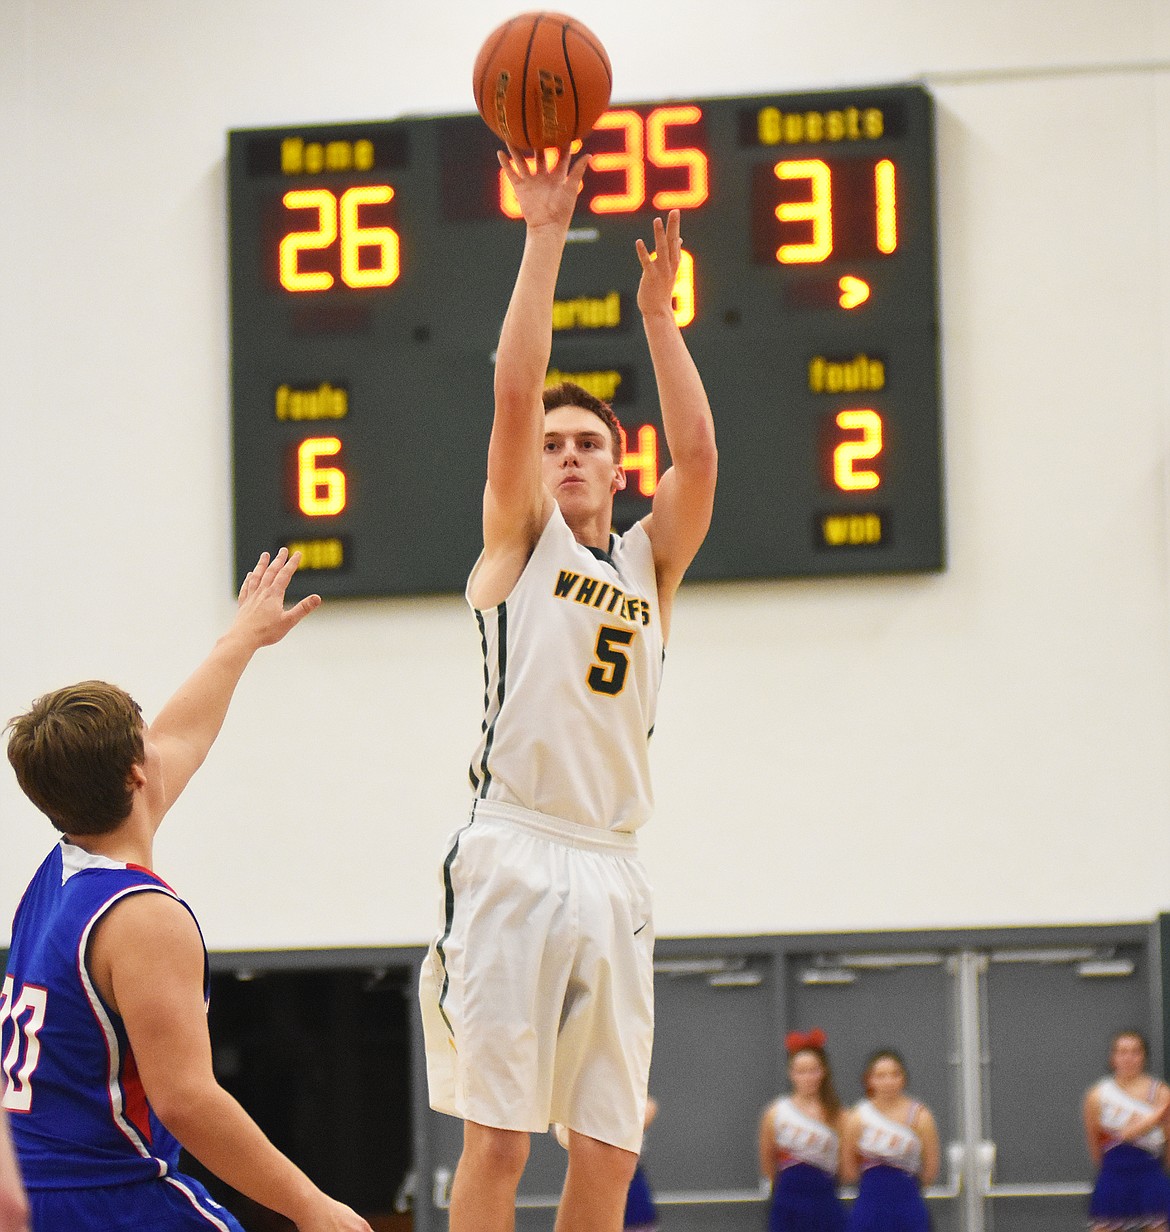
x,y
607,598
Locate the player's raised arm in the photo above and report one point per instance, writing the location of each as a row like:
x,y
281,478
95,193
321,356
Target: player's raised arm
x,y
147,960
188,724
514,500
681,513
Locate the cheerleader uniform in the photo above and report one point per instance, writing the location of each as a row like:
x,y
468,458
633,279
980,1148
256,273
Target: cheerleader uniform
x,y
1131,1191
804,1190
889,1197
641,1214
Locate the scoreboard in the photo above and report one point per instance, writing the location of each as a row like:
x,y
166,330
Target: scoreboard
x,y
371,265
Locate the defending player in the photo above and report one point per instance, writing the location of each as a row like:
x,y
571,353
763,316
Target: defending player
x,y
103,1022
537,995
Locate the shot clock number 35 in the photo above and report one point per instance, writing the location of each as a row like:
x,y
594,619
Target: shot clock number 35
x,y
371,266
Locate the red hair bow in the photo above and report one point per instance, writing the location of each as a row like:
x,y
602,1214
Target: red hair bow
x,y
797,1041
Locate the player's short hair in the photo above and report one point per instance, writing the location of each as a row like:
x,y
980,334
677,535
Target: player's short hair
x,y
72,753
567,393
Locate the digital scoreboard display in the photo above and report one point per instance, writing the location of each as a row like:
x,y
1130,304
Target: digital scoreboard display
x,y
371,266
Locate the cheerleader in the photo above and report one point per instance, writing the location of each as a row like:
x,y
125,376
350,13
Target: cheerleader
x,y
799,1143
1125,1119
889,1146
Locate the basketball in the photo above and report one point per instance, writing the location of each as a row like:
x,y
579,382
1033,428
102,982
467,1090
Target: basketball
x,y
541,81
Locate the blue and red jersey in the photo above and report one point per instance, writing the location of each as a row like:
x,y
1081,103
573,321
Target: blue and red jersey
x,y
78,1112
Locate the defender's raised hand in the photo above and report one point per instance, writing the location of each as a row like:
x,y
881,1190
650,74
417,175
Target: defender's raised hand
x,y
261,604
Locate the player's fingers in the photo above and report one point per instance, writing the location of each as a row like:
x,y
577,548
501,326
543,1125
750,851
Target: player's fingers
x,y
578,169
674,231
643,253
660,245
282,570
272,572
507,166
294,615
253,576
519,164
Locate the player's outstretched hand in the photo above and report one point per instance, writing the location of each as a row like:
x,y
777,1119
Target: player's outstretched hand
x,y
333,1217
261,613
547,195
659,271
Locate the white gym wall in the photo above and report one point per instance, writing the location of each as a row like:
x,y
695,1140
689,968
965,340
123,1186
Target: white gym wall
x,y
990,745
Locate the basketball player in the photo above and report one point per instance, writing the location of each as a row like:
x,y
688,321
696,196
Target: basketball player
x,y
537,995
103,1021
13,1203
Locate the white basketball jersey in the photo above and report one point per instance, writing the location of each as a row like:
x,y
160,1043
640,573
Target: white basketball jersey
x,y
1118,1107
572,665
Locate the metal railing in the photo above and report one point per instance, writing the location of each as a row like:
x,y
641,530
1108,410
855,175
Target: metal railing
x,y
441,1193
953,1187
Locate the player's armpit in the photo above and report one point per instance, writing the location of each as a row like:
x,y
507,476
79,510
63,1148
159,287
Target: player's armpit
x,y
514,527
507,547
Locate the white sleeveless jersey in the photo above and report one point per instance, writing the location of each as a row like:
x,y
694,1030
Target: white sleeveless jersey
x,y
886,1141
1118,1106
572,665
803,1139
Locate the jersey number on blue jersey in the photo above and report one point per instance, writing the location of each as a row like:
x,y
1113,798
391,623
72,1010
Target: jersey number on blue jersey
x,y
27,1013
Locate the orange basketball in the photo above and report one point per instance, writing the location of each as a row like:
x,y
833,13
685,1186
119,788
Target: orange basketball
x,y
541,80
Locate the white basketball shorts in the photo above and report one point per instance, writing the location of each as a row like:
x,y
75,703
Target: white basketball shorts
x,y
538,994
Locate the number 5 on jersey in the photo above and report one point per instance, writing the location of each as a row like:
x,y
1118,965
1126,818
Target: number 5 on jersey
x,y
20,1058
608,674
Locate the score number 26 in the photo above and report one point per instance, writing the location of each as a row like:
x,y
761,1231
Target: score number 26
x,y
338,217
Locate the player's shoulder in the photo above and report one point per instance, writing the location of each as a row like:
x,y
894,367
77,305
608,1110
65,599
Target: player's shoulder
x,y
151,915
